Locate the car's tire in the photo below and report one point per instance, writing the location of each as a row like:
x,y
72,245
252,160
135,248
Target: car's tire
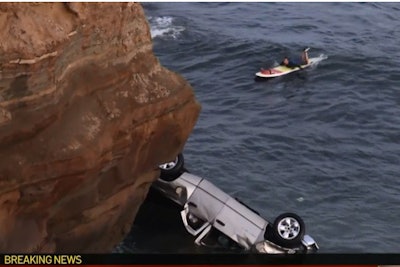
x,y
288,230
172,170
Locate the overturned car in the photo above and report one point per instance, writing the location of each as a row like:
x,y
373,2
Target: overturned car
x,y
217,219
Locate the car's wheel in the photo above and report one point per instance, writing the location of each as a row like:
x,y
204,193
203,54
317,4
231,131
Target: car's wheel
x,y
288,230
172,170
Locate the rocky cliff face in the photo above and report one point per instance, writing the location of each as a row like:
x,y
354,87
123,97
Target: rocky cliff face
x,y
86,115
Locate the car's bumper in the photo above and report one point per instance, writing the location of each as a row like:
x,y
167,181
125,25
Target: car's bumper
x,y
267,247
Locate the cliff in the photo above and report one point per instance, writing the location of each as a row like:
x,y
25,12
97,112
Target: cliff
x,y
86,115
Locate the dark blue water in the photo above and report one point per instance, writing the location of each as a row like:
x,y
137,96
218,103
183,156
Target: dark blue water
x,y
324,142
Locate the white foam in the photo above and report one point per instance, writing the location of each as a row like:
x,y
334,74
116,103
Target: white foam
x,y
320,58
164,27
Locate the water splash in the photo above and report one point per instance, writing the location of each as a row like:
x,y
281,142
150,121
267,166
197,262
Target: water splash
x,y
320,58
164,27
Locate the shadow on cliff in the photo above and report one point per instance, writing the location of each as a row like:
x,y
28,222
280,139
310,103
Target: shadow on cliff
x,y
158,228
18,88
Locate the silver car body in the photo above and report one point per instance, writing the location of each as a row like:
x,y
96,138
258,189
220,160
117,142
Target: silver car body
x,y
216,209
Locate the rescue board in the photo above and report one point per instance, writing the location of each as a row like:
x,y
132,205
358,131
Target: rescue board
x,y
283,70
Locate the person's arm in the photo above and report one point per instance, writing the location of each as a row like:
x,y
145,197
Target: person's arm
x,y
305,55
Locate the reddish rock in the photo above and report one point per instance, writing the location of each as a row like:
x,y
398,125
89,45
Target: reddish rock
x,y
86,115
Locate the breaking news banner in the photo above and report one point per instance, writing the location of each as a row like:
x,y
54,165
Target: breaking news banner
x,y
242,260
48,259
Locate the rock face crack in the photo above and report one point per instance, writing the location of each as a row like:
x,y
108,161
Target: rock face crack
x,y
33,60
87,114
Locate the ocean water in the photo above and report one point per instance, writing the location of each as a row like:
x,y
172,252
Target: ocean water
x,y
323,143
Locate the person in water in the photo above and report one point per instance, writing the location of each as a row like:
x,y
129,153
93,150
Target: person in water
x,y
296,64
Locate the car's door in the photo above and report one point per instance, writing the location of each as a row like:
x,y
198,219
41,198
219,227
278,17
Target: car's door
x,y
207,201
204,203
240,223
